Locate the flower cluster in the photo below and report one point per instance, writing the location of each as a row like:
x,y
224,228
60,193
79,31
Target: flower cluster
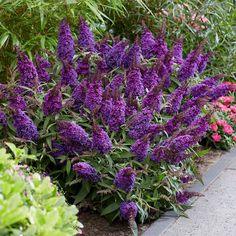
x,y
222,129
109,116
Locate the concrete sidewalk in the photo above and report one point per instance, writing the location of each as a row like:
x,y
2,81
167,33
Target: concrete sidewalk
x,y
211,215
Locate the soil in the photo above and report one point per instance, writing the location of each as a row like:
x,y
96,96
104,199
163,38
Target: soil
x,y
95,225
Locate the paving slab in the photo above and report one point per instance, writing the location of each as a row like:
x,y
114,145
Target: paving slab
x,y
214,214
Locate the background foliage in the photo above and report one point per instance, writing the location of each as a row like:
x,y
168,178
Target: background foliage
x,y
31,24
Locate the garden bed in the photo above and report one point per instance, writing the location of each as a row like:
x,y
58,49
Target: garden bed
x,y
94,224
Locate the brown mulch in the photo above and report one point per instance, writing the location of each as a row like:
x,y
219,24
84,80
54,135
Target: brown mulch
x,y
95,225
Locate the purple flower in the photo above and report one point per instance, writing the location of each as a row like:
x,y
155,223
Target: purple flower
x,y
152,100
131,106
150,78
148,44
17,102
42,65
86,172
83,66
195,101
218,91
174,100
184,196
173,124
140,148
191,114
128,210
117,115
140,124
27,71
94,93
134,85
132,56
181,143
189,66
203,60
199,127
70,132
161,47
116,82
212,81
106,109
103,47
68,75
199,89
125,179
159,153
79,94
186,178
65,50
178,51
85,38
115,55
154,130
52,102
101,141
25,128
3,119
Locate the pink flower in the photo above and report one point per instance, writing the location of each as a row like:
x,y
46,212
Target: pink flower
x,y
216,137
221,123
214,127
228,129
234,138
226,100
233,109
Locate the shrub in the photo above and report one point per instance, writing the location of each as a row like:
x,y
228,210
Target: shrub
x,y
116,123
222,133
30,204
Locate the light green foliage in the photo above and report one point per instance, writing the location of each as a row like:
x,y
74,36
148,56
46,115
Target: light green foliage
x,y
29,204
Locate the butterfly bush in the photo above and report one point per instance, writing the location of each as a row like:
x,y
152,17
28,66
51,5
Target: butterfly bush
x,y
105,123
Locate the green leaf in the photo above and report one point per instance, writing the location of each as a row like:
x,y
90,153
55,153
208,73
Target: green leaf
x,y
84,191
112,207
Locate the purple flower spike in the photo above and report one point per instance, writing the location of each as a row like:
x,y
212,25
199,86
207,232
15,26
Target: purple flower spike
x,y
65,50
86,37
68,75
117,115
128,210
27,71
125,179
183,197
94,93
189,65
115,55
101,141
218,91
131,106
134,53
83,66
3,119
200,126
153,99
106,109
52,102
17,102
140,124
161,48
159,153
86,172
25,128
203,60
191,114
140,148
199,89
116,82
103,47
186,178
150,78
134,84
79,94
42,65
174,100
173,124
178,51
148,44
181,143
70,132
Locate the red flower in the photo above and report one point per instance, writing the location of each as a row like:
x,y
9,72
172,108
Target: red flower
x,y
214,127
234,138
228,129
233,109
221,123
216,137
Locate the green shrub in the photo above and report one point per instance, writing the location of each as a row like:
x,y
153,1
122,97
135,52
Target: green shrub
x,y
30,204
